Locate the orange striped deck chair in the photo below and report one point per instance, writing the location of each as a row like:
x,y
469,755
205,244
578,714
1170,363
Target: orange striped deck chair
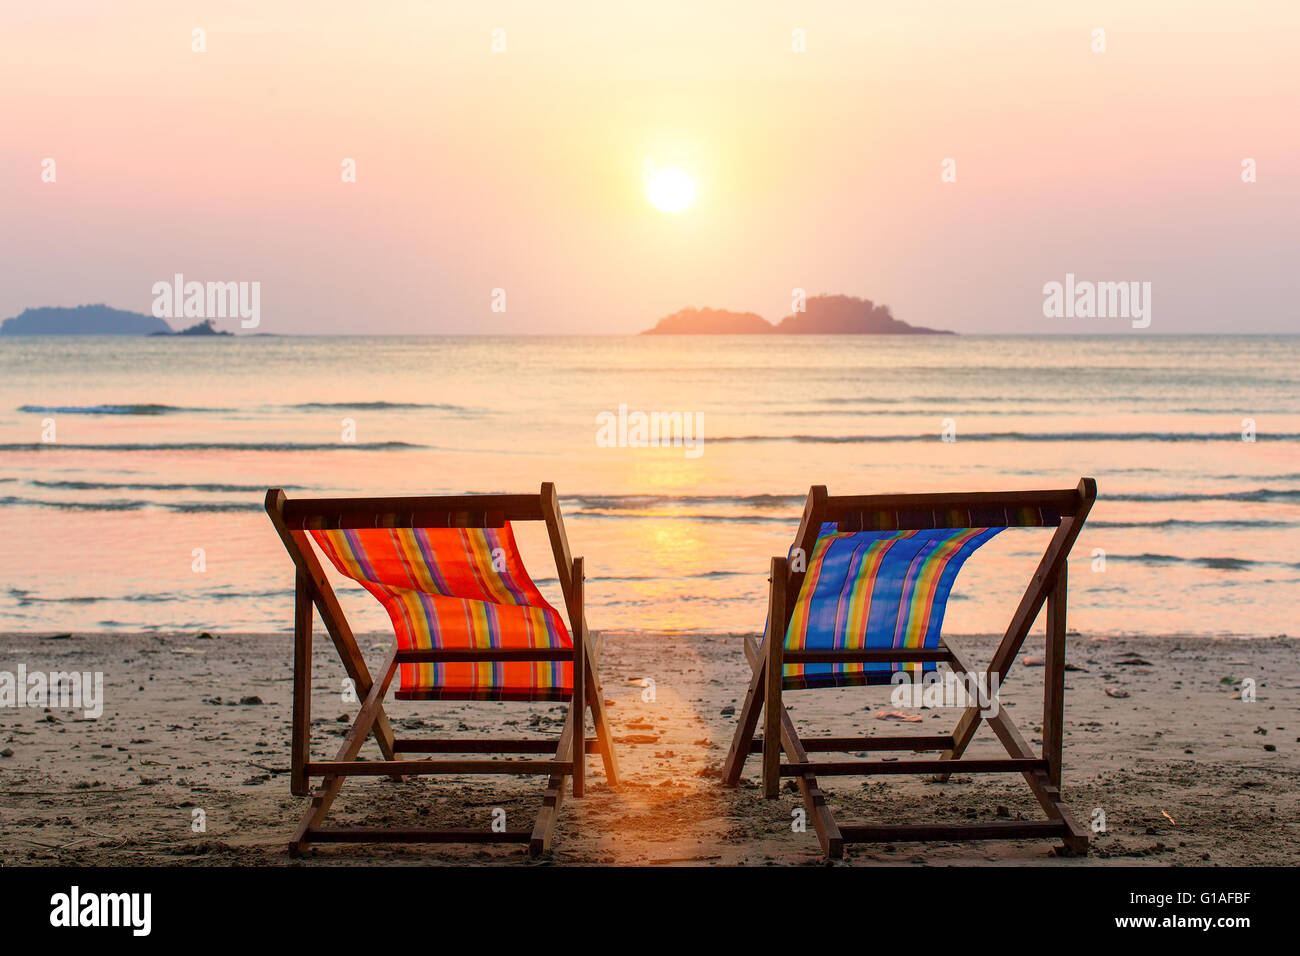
x,y
860,600
470,624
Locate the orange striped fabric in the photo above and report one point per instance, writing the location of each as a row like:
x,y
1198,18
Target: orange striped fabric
x,y
457,588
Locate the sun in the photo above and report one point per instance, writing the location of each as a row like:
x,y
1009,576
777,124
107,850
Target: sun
x,y
670,189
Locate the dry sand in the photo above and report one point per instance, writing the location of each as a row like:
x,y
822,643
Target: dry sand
x,y
1184,770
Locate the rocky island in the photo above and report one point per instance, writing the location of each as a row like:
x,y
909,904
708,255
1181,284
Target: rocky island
x,y
206,327
83,320
710,322
97,320
824,315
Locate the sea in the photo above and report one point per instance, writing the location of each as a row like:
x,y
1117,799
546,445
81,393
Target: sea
x,y
133,470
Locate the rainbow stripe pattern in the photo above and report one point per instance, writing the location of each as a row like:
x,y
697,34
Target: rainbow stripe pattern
x,y
457,588
874,589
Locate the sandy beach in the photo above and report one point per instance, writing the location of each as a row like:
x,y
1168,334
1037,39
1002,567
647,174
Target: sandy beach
x,y
1157,737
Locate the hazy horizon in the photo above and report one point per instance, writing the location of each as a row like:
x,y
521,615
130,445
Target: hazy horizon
x,y
522,170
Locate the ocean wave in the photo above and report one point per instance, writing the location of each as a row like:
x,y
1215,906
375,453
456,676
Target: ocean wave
x,y
1239,525
945,399
150,408
1005,436
1214,563
692,516
676,576
24,598
1255,494
148,486
1065,403
895,413
385,406
130,409
187,507
634,502
215,446
956,410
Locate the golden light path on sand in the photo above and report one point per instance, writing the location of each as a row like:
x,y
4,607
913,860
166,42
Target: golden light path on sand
x,y
667,806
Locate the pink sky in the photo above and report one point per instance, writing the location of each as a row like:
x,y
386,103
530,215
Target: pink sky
x,y
523,170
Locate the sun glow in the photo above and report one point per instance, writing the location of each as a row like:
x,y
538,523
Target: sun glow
x,y
670,189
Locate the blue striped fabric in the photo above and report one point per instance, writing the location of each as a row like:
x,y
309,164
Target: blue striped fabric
x,y
885,589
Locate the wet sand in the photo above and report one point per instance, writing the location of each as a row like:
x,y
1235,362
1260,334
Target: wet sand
x,y
1156,737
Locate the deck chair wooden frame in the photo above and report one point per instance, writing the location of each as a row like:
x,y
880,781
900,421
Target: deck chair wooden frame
x,y
1041,772
312,589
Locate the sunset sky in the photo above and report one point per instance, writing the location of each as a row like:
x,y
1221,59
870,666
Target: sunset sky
x,y
523,169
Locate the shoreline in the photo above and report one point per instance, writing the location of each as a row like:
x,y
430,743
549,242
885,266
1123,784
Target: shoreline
x,y
1155,736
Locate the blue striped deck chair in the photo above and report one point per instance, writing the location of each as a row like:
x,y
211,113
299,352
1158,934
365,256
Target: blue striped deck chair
x,y
859,601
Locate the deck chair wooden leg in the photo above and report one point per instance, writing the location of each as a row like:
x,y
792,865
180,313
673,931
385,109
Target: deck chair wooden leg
x,y
578,707
553,798
1053,562
599,714
1047,793
757,693
312,575
1005,654
352,743
1054,679
748,722
775,670
828,831
381,728
752,707
962,735
772,710
300,737
967,725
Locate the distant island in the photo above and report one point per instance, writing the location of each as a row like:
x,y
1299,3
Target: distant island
x,y
824,315
206,327
83,320
97,320
710,322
